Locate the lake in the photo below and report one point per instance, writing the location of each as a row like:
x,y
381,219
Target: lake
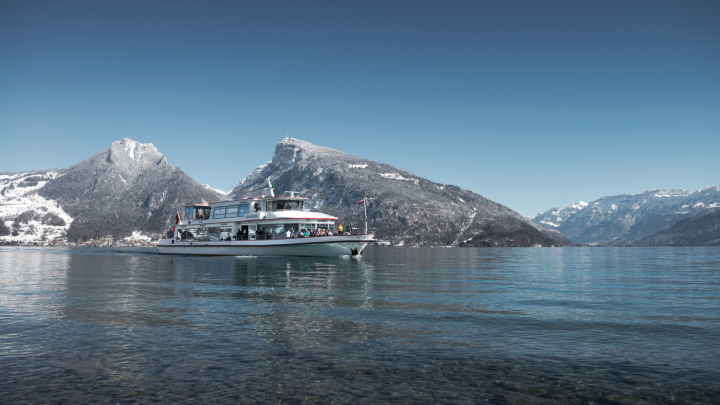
x,y
428,325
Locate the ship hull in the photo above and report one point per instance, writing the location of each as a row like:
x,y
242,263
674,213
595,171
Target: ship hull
x,y
316,246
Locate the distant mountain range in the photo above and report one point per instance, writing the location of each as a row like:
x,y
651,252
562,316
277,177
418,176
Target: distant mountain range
x,y
656,217
131,189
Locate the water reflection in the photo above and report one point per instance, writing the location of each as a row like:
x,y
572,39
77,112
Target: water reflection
x,y
407,325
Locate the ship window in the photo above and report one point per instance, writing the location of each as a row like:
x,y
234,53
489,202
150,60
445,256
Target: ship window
x,y
268,206
202,213
225,233
284,205
213,234
219,212
231,211
188,235
242,209
188,213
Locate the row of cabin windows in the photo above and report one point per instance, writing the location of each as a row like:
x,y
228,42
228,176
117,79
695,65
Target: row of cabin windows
x,y
282,205
239,210
224,233
278,229
231,211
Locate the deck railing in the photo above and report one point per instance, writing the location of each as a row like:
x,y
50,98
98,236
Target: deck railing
x,y
279,236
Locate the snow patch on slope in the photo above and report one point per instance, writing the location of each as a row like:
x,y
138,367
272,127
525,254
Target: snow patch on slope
x,y
556,216
222,193
398,176
16,199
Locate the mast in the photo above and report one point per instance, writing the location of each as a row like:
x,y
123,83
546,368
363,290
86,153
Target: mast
x,y
271,186
365,207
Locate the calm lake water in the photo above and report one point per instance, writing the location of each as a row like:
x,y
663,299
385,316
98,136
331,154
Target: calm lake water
x,y
520,326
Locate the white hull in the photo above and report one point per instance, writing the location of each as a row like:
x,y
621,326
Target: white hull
x,y
314,246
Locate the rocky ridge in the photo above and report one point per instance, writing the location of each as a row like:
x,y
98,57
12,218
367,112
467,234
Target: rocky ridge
x,y
403,208
625,218
125,190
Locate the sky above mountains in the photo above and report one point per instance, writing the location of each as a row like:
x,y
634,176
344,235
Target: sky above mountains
x,y
530,104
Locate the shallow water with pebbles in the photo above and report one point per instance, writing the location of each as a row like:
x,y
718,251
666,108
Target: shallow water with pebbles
x,y
518,326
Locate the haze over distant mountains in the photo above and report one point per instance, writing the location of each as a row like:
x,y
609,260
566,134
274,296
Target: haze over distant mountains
x,y
663,216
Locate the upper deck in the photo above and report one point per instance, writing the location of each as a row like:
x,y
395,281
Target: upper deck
x,y
252,209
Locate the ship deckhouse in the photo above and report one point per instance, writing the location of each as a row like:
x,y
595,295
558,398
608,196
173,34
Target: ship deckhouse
x,y
262,226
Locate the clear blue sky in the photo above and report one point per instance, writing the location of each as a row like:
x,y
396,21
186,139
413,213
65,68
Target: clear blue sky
x,y
531,104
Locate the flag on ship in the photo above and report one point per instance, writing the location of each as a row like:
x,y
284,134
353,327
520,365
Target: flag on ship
x,y
362,202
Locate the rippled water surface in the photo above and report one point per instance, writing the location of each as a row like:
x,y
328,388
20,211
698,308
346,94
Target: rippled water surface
x,y
520,326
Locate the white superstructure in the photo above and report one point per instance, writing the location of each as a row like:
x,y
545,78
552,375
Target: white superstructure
x,y
266,226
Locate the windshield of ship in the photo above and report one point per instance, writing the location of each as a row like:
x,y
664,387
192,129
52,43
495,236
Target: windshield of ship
x,y
284,205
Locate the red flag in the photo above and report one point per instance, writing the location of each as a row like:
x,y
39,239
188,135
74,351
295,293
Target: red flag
x,y
362,202
177,217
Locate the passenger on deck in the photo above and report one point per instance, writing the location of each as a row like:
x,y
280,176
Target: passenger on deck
x,y
340,228
239,232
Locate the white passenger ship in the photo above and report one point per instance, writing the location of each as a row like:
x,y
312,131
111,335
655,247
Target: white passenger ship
x,y
266,226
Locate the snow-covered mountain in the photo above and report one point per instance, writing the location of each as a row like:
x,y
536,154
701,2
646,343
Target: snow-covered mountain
x,y
131,189
403,208
629,217
552,218
127,188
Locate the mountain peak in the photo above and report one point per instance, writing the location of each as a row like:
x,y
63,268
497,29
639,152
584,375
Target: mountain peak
x,y
289,148
134,149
